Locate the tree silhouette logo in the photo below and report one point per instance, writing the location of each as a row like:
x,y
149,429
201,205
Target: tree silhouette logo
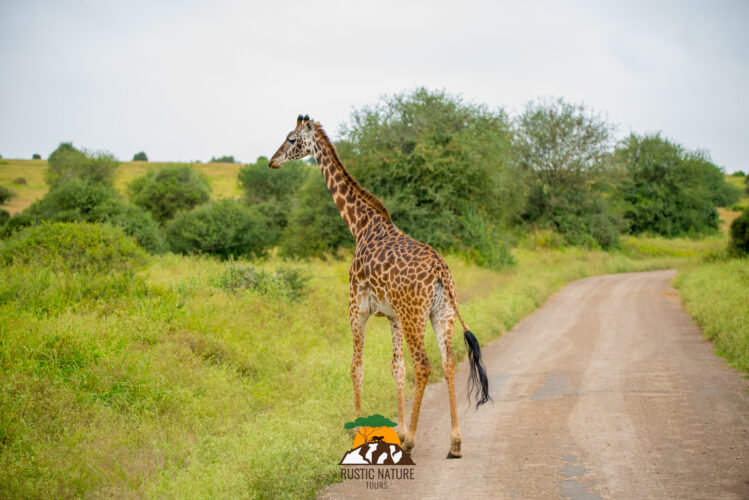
x,y
375,443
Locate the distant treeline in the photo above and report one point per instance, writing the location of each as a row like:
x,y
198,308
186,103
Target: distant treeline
x,y
457,175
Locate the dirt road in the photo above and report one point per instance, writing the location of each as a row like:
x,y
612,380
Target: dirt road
x,y
607,391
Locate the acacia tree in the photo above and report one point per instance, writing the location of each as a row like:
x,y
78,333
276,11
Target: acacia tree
x,y
565,151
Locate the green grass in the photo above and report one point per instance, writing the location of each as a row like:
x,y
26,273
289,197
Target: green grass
x,y
716,295
221,176
163,384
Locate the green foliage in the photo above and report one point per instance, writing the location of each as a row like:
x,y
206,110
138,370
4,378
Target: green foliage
x,y
86,201
15,224
315,227
285,283
36,156
67,162
426,154
224,228
739,173
4,216
73,246
564,149
489,249
668,190
375,420
20,181
5,195
274,192
168,190
141,156
740,234
222,159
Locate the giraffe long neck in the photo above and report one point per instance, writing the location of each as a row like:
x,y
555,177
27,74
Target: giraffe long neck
x,y
356,205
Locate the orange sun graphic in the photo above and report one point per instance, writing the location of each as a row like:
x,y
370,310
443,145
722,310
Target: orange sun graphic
x,y
387,434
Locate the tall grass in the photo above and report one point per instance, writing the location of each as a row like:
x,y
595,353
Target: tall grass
x,y
162,383
716,295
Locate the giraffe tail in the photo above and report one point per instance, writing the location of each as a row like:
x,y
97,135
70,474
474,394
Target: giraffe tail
x,y
478,382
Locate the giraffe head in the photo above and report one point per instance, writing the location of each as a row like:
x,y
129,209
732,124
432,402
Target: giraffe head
x,y
298,144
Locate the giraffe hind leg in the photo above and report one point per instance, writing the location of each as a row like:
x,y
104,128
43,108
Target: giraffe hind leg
x,y
443,322
413,332
399,374
358,316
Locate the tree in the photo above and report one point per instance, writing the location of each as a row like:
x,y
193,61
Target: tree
x,y
168,189
5,195
367,425
36,156
667,189
140,156
222,159
564,149
429,155
67,162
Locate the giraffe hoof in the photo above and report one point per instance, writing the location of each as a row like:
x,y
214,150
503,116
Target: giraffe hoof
x,y
450,454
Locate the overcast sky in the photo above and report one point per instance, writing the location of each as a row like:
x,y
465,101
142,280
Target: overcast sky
x,y
188,80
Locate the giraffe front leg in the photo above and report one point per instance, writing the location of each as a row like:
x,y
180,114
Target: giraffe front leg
x,y
358,316
399,374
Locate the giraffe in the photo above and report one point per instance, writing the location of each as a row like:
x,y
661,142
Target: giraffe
x,y
394,276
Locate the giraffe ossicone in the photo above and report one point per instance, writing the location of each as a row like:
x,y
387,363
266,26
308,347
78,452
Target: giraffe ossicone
x,y
395,276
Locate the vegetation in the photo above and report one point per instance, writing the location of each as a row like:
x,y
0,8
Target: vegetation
x,y
5,195
565,150
169,189
140,156
669,190
222,159
740,234
36,156
88,201
286,283
716,295
223,228
67,162
20,181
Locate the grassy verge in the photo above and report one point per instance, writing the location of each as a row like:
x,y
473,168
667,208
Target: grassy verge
x,y
162,384
716,295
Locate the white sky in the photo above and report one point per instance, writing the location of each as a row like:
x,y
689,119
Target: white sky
x,y
188,80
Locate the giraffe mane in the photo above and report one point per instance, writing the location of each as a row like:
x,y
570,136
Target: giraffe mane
x,y
368,197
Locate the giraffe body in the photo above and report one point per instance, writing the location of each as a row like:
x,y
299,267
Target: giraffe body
x,y
394,276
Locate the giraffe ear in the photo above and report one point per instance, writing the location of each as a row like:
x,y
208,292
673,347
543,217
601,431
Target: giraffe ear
x,y
299,120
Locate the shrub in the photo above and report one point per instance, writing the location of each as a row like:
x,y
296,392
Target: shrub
x,y
668,190
169,189
224,228
5,195
740,234
36,156
67,162
739,173
73,246
20,181
140,156
489,250
77,200
222,159
286,283
274,192
4,216
15,224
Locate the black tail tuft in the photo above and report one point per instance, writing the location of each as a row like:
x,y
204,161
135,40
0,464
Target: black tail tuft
x,y
477,380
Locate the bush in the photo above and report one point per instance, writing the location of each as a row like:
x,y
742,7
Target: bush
x,y
565,150
489,250
274,192
20,181
5,195
140,156
286,283
36,156
668,190
77,200
74,246
740,234
4,216
169,189
222,159
224,228
15,224
739,173
66,162
315,227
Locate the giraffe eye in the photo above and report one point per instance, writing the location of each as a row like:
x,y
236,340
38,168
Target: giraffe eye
x,y
292,141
